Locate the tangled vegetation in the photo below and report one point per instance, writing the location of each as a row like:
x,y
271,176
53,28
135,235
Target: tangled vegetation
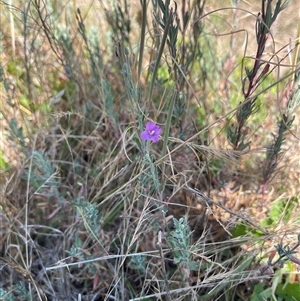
x,y
150,150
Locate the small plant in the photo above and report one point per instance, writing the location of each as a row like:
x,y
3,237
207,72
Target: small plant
x,y
42,175
138,263
255,76
179,241
284,265
5,296
89,214
281,210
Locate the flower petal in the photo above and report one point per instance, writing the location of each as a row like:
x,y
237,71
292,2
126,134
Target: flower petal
x,y
145,135
155,138
150,126
158,130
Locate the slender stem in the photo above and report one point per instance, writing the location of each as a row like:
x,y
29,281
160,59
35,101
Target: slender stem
x,y
159,55
166,135
142,43
296,52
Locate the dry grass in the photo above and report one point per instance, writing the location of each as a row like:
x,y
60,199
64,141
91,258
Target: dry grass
x,y
87,208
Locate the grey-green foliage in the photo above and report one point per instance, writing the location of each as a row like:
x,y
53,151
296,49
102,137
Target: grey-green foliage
x,y
94,42
130,87
23,293
16,133
120,20
5,296
106,96
138,263
94,54
41,174
150,178
274,149
19,290
179,242
284,125
255,75
90,215
64,37
109,100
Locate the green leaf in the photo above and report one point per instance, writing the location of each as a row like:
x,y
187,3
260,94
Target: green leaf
x,y
289,290
239,230
3,163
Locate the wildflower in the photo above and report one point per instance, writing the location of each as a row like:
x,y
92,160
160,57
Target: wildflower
x,y
151,132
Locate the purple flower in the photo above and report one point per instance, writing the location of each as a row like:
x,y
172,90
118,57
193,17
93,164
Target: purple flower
x,y
151,132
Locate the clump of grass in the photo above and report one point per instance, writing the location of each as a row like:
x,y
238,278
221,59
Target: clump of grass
x,y
91,210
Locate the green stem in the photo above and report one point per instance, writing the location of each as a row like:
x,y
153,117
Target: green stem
x,y
166,136
143,30
159,55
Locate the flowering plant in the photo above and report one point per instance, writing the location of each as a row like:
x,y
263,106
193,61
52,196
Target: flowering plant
x,y
151,132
